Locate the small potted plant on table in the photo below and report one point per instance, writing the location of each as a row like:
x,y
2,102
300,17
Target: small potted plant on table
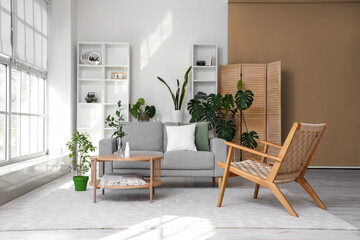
x,y
79,147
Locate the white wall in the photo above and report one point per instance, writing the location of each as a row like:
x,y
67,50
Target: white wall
x,y
61,76
161,33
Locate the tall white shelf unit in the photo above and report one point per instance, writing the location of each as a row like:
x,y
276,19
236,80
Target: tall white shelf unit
x,y
115,57
204,78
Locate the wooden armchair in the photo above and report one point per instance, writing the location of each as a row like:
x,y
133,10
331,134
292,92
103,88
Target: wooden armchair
x,y
290,164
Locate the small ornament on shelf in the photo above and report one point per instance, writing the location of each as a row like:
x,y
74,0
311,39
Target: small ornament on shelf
x,y
91,97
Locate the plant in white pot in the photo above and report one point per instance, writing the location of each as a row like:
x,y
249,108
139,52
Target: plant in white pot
x,y
80,145
178,98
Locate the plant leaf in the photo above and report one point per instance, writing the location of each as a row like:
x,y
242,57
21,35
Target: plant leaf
x,y
248,139
239,85
244,99
172,95
226,129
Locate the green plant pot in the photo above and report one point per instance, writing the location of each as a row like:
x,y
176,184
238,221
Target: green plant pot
x,y
80,182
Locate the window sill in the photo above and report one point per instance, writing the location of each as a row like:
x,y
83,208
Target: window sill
x,y
12,167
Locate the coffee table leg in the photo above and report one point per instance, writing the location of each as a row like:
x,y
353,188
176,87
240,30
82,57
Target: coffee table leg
x,y
94,177
151,179
103,172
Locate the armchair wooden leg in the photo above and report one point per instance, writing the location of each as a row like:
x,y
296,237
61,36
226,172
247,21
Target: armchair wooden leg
x,y
219,179
278,194
311,192
256,191
222,189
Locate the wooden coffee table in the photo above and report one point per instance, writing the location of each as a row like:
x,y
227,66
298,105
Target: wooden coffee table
x,y
155,171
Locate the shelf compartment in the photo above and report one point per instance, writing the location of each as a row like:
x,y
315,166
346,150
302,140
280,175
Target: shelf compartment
x,y
109,70
94,72
204,86
94,47
204,74
115,92
89,116
89,86
116,53
200,51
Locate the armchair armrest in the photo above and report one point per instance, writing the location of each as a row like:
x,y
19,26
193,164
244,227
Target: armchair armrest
x,y
253,151
270,144
218,147
107,146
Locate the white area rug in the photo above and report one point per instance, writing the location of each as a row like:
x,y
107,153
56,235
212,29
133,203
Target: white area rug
x,y
56,206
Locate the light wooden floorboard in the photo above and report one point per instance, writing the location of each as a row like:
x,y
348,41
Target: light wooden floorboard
x,y
339,190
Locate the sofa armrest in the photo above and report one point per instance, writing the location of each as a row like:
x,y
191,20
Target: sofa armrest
x,y
219,148
107,146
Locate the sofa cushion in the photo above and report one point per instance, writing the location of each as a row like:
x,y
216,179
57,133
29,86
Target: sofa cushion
x,y
181,138
165,133
136,164
185,160
144,136
201,135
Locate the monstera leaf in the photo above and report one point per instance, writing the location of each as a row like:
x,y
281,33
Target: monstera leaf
x,y
228,102
244,99
196,110
226,129
214,102
248,139
150,111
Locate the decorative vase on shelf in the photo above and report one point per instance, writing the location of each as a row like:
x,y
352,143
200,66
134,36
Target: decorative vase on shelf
x,y
177,115
91,97
120,151
127,150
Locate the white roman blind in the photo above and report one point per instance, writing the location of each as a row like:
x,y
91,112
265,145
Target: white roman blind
x,y
5,27
30,23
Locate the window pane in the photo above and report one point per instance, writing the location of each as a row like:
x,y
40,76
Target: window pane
x,y
25,132
29,11
15,136
34,94
25,91
2,137
5,32
29,45
41,134
6,4
33,134
20,9
41,96
2,87
37,15
20,41
44,52
44,18
38,49
15,90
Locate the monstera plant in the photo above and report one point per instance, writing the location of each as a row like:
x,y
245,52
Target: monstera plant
x,y
220,112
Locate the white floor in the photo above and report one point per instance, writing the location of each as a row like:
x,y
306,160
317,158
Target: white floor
x,y
337,188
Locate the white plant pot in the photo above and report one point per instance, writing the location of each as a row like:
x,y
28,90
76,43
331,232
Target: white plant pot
x,y
177,115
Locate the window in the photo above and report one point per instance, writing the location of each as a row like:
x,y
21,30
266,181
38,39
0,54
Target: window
x,y
23,64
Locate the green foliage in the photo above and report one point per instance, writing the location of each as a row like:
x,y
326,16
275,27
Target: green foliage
x,y
178,98
220,112
239,85
137,109
79,146
117,123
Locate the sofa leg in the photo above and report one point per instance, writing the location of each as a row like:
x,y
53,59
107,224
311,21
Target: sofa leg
x,y
219,181
213,180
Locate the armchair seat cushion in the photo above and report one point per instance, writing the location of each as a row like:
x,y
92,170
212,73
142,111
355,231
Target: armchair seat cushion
x,y
186,160
255,168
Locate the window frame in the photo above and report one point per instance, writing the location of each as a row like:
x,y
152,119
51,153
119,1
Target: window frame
x,y
12,62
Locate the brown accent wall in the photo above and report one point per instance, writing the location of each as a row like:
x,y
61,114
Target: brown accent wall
x,y
319,48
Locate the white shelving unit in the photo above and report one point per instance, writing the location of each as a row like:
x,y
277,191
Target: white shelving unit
x,y
204,78
115,57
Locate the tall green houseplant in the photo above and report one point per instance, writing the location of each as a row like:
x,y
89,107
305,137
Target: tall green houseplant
x,y
80,145
220,112
178,97
117,124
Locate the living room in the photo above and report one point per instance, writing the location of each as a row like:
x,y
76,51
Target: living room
x,y
64,64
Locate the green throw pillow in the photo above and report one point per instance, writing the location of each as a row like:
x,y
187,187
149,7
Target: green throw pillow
x,y
201,135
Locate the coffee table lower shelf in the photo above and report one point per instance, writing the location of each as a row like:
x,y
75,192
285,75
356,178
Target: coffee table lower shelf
x,y
155,184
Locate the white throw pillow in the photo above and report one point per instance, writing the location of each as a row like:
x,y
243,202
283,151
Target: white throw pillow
x,y
181,138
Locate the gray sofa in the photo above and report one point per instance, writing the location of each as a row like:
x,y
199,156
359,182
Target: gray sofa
x,y
150,138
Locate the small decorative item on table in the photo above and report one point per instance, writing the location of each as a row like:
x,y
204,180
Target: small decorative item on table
x,y
91,97
200,63
117,75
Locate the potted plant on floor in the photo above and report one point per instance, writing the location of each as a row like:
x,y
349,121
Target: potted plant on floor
x,y
117,124
141,114
178,98
220,112
80,145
